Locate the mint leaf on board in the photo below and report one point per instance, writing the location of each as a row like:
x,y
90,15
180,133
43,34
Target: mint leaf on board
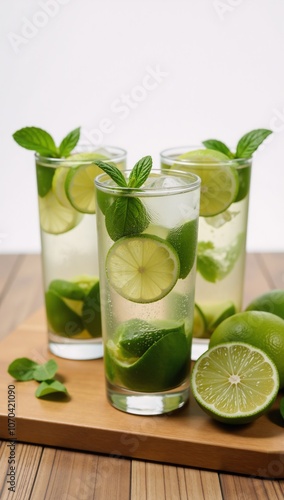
x,y
38,140
249,143
140,172
69,142
45,371
218,146
50,387
125,217
282,407
22,369
115,174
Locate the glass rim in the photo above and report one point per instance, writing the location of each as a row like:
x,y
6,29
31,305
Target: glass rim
x,y
194,183
179,150
119,155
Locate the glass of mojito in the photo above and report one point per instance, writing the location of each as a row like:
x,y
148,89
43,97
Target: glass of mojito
x,y
67,216
147,231
221,252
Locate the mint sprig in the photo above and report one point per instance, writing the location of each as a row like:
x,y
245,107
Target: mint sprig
x,y
127,216
24,369
40,141
246,146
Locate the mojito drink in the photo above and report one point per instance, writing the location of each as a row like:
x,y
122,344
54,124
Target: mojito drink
x,y
147,247
67,214
221,252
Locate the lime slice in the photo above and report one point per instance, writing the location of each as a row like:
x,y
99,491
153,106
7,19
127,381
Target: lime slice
x,y
54,218
219,182
62,320
80,187
136,336
164,365
235,382
142,268
199,323
91,311
184,239
58,186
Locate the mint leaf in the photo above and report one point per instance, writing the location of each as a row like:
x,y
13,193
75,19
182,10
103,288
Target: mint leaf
x,y
282,407
22,369
44,179
125,217
249,143
115,174
140,172
45,371
218,146
38,140
69,142
50,387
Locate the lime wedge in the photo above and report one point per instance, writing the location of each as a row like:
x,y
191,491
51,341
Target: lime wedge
x,y
216,313
184,239
142,268
63,320
54,218
199,323
136,336
91,311
164,364
219,182
67,289
235,382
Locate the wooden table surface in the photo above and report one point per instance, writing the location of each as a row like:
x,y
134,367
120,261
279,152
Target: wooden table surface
x,y
57,474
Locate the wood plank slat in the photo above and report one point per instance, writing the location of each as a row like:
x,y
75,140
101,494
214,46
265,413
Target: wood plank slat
x,y
26,464
246,488
8,263
273,266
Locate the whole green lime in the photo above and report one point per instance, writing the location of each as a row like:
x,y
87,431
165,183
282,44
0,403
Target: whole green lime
x,y
259,329
272,301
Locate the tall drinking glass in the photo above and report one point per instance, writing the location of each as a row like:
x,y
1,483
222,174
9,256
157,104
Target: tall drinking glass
x,y
147,252
66,200
222,235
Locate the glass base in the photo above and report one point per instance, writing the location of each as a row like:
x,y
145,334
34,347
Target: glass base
x,y
75,349
141,403
199,346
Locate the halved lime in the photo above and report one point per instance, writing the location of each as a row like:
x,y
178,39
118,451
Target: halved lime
x,y
184,240
219,182
199,323
54,218
164,364
235,382
142,268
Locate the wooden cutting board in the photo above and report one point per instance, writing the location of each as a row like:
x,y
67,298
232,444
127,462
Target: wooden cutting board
x,y
88,422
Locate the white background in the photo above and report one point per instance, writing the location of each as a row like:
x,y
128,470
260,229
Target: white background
x,y
66,63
